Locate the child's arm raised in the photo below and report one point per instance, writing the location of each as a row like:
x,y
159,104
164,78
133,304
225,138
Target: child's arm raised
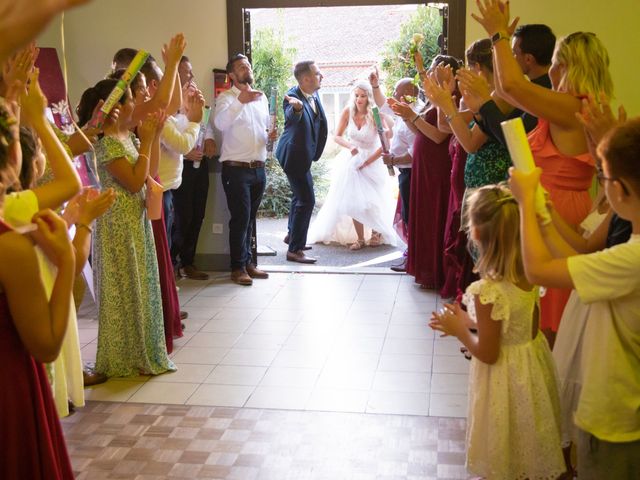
x,y
539,265
485,346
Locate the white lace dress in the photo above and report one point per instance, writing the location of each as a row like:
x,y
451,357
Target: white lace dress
x,y
366,195
513,426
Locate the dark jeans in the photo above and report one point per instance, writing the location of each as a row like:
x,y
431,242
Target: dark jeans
x,y
302,202
167,206
244,188
404,186
189,203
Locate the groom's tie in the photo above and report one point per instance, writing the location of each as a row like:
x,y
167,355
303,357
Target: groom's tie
x,y
312,103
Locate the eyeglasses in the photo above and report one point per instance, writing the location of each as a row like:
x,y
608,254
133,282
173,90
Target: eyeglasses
x,y
600,175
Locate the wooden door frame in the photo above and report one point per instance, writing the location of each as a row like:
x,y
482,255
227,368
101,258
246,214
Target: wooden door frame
x,y
235,30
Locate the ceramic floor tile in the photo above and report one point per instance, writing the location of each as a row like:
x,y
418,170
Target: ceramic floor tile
x,y
346,378
221,395
301,358
219,340
286,398
447,405
265,341
87,335
410,331
202,301
249,357
398,403
159,392
88,352
450,364
186,373
199,312
263,327
441,347
204,356
238,313
401,382
338,400
280,315
236,375
397,362
217,325
112,391
415,346
290,377
449,383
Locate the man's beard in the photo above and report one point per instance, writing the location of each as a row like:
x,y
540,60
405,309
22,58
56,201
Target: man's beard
x,y
247,80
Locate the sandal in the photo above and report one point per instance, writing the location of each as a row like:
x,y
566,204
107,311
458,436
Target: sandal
x,y
376,239
357,245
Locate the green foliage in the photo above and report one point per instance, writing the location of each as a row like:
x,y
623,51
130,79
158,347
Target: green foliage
x,y
273,67
397,60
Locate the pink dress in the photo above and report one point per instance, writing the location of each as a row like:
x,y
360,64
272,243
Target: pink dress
x,y
567,179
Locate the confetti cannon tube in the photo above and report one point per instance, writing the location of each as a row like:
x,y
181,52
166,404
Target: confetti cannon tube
x,y
384,141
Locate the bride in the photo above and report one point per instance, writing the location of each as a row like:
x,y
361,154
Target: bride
x,y
361,194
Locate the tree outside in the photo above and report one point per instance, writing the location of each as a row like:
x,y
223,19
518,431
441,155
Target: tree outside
x,y
397,62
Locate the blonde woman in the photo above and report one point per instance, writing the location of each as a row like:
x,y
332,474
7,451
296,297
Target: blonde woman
x,y
359,196
580,67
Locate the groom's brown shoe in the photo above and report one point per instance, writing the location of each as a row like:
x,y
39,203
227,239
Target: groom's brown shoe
x,y
255,272
286,240
300,257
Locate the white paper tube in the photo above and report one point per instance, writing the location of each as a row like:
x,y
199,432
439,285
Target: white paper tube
x,y
522,159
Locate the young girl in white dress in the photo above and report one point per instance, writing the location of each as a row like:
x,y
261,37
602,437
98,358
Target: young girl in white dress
x,y
361,194
513,425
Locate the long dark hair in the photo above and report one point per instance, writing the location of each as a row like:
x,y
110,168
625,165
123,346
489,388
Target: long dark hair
x,y
92,96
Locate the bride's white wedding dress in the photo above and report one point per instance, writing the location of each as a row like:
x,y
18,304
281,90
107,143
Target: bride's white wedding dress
x,y
367,195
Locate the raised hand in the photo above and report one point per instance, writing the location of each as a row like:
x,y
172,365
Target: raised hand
x,y
523,185
193,105
52,236
148,129
33,100
16,70
402,109
438,95
172,52
450,320
374,77
494,16
597,118
474,88
444,76
294,102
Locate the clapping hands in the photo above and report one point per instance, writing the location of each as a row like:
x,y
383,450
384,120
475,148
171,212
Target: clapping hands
x,y
474,88
151,127
450,320
172,52
495,17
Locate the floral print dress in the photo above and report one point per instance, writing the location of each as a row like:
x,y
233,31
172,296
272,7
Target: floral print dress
x,y
131,329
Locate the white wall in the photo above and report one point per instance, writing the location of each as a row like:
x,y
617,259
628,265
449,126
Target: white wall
x,y
93,33
614,22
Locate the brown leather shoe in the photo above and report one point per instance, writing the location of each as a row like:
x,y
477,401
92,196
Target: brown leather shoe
x,y
300,257
399,267
91,377
255,272
184,315
193,273
286,240
241,277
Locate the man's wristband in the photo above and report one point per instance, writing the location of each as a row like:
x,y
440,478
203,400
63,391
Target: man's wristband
x,y
496,37
415,119
83,225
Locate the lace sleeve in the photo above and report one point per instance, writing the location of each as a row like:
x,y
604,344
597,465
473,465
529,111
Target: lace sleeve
x,y
489,293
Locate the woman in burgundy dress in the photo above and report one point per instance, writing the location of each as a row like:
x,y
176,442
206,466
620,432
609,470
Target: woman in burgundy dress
x,y
430,186
31,332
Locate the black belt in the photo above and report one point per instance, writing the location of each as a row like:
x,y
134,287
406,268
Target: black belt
x,y
251,164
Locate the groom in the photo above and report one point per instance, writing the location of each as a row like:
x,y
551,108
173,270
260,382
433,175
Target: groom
x,y
302,142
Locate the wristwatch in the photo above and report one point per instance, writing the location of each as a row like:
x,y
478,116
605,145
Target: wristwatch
x,y
496,37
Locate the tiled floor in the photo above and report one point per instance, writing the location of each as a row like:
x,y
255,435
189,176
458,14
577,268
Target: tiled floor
x,y
153,442
302,341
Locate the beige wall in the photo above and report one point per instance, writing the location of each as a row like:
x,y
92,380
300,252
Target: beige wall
x,y
93,33
614,22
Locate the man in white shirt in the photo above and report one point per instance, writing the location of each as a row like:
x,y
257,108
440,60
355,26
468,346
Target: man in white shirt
x,y
242,116
401,148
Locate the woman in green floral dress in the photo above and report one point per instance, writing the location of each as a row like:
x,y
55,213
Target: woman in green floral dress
x,y
130,330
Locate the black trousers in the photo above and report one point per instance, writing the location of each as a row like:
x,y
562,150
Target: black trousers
x,y
189,203
404,186
302,202
244,188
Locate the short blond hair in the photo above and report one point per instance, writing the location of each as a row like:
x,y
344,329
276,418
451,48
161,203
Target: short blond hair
x,y
493,213
587,65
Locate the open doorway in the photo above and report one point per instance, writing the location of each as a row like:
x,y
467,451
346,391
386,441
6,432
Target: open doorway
x,y
347,42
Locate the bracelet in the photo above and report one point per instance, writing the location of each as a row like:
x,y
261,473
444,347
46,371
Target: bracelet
x,y
415,119
393,160
83,225
449,118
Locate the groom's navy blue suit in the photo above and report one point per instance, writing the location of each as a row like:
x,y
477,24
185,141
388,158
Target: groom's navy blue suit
x,y
301,142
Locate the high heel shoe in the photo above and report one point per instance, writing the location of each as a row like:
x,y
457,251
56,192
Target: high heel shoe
x,y
376,239
357,245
